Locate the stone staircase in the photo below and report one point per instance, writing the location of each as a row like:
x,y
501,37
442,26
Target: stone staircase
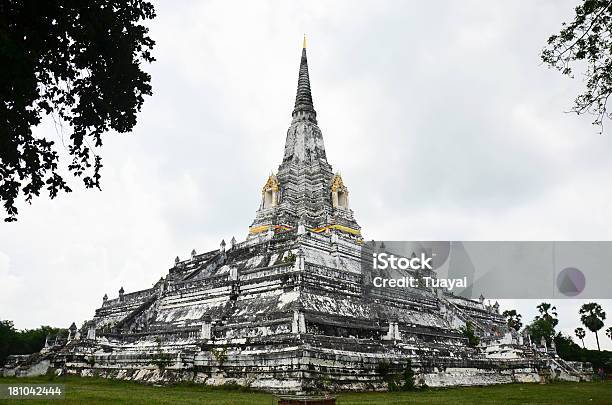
x,y
135,313
564,367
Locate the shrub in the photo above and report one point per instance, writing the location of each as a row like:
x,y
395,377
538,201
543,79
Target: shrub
x,y
402,381
468,332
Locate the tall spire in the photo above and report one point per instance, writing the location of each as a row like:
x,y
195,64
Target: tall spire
x,y
302,192
303,98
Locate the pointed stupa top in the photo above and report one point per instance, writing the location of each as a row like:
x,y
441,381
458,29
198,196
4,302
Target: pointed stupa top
x,y
300,190
303,97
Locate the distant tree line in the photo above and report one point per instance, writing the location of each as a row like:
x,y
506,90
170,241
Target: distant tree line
x,y
570,351
592,317
13,341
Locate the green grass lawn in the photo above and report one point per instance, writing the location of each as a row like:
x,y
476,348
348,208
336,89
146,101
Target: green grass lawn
x,y
101,391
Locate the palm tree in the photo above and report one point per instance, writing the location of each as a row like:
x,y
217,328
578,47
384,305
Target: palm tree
x,y
580,334
592,316
609,332
513,319
548,313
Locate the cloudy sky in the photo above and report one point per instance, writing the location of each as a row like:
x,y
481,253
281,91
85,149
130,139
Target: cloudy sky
x,y
439,115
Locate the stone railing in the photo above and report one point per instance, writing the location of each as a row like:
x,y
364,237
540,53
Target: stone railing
x,y
264,272
190,332
201,282
333,273
133,296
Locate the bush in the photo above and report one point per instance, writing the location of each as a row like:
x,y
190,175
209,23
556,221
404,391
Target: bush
x,y
220,355
468,332
403,381
408,378
161,359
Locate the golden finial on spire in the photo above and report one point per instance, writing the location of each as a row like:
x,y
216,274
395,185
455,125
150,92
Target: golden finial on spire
x,y
304,44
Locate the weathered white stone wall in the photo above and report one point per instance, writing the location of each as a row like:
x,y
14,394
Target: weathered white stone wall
x,y
473,376
34,370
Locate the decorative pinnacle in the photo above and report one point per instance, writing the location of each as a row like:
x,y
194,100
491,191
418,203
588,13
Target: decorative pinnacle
x,y
303,98
304,43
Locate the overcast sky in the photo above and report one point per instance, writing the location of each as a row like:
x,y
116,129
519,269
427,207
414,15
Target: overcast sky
x,y
439,115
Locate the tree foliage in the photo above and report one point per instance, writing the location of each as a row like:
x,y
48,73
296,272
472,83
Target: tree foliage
x,y
570,351
592,316
540,328
586,42
13,341
80,62
580,334
543,325
548,313
513,319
